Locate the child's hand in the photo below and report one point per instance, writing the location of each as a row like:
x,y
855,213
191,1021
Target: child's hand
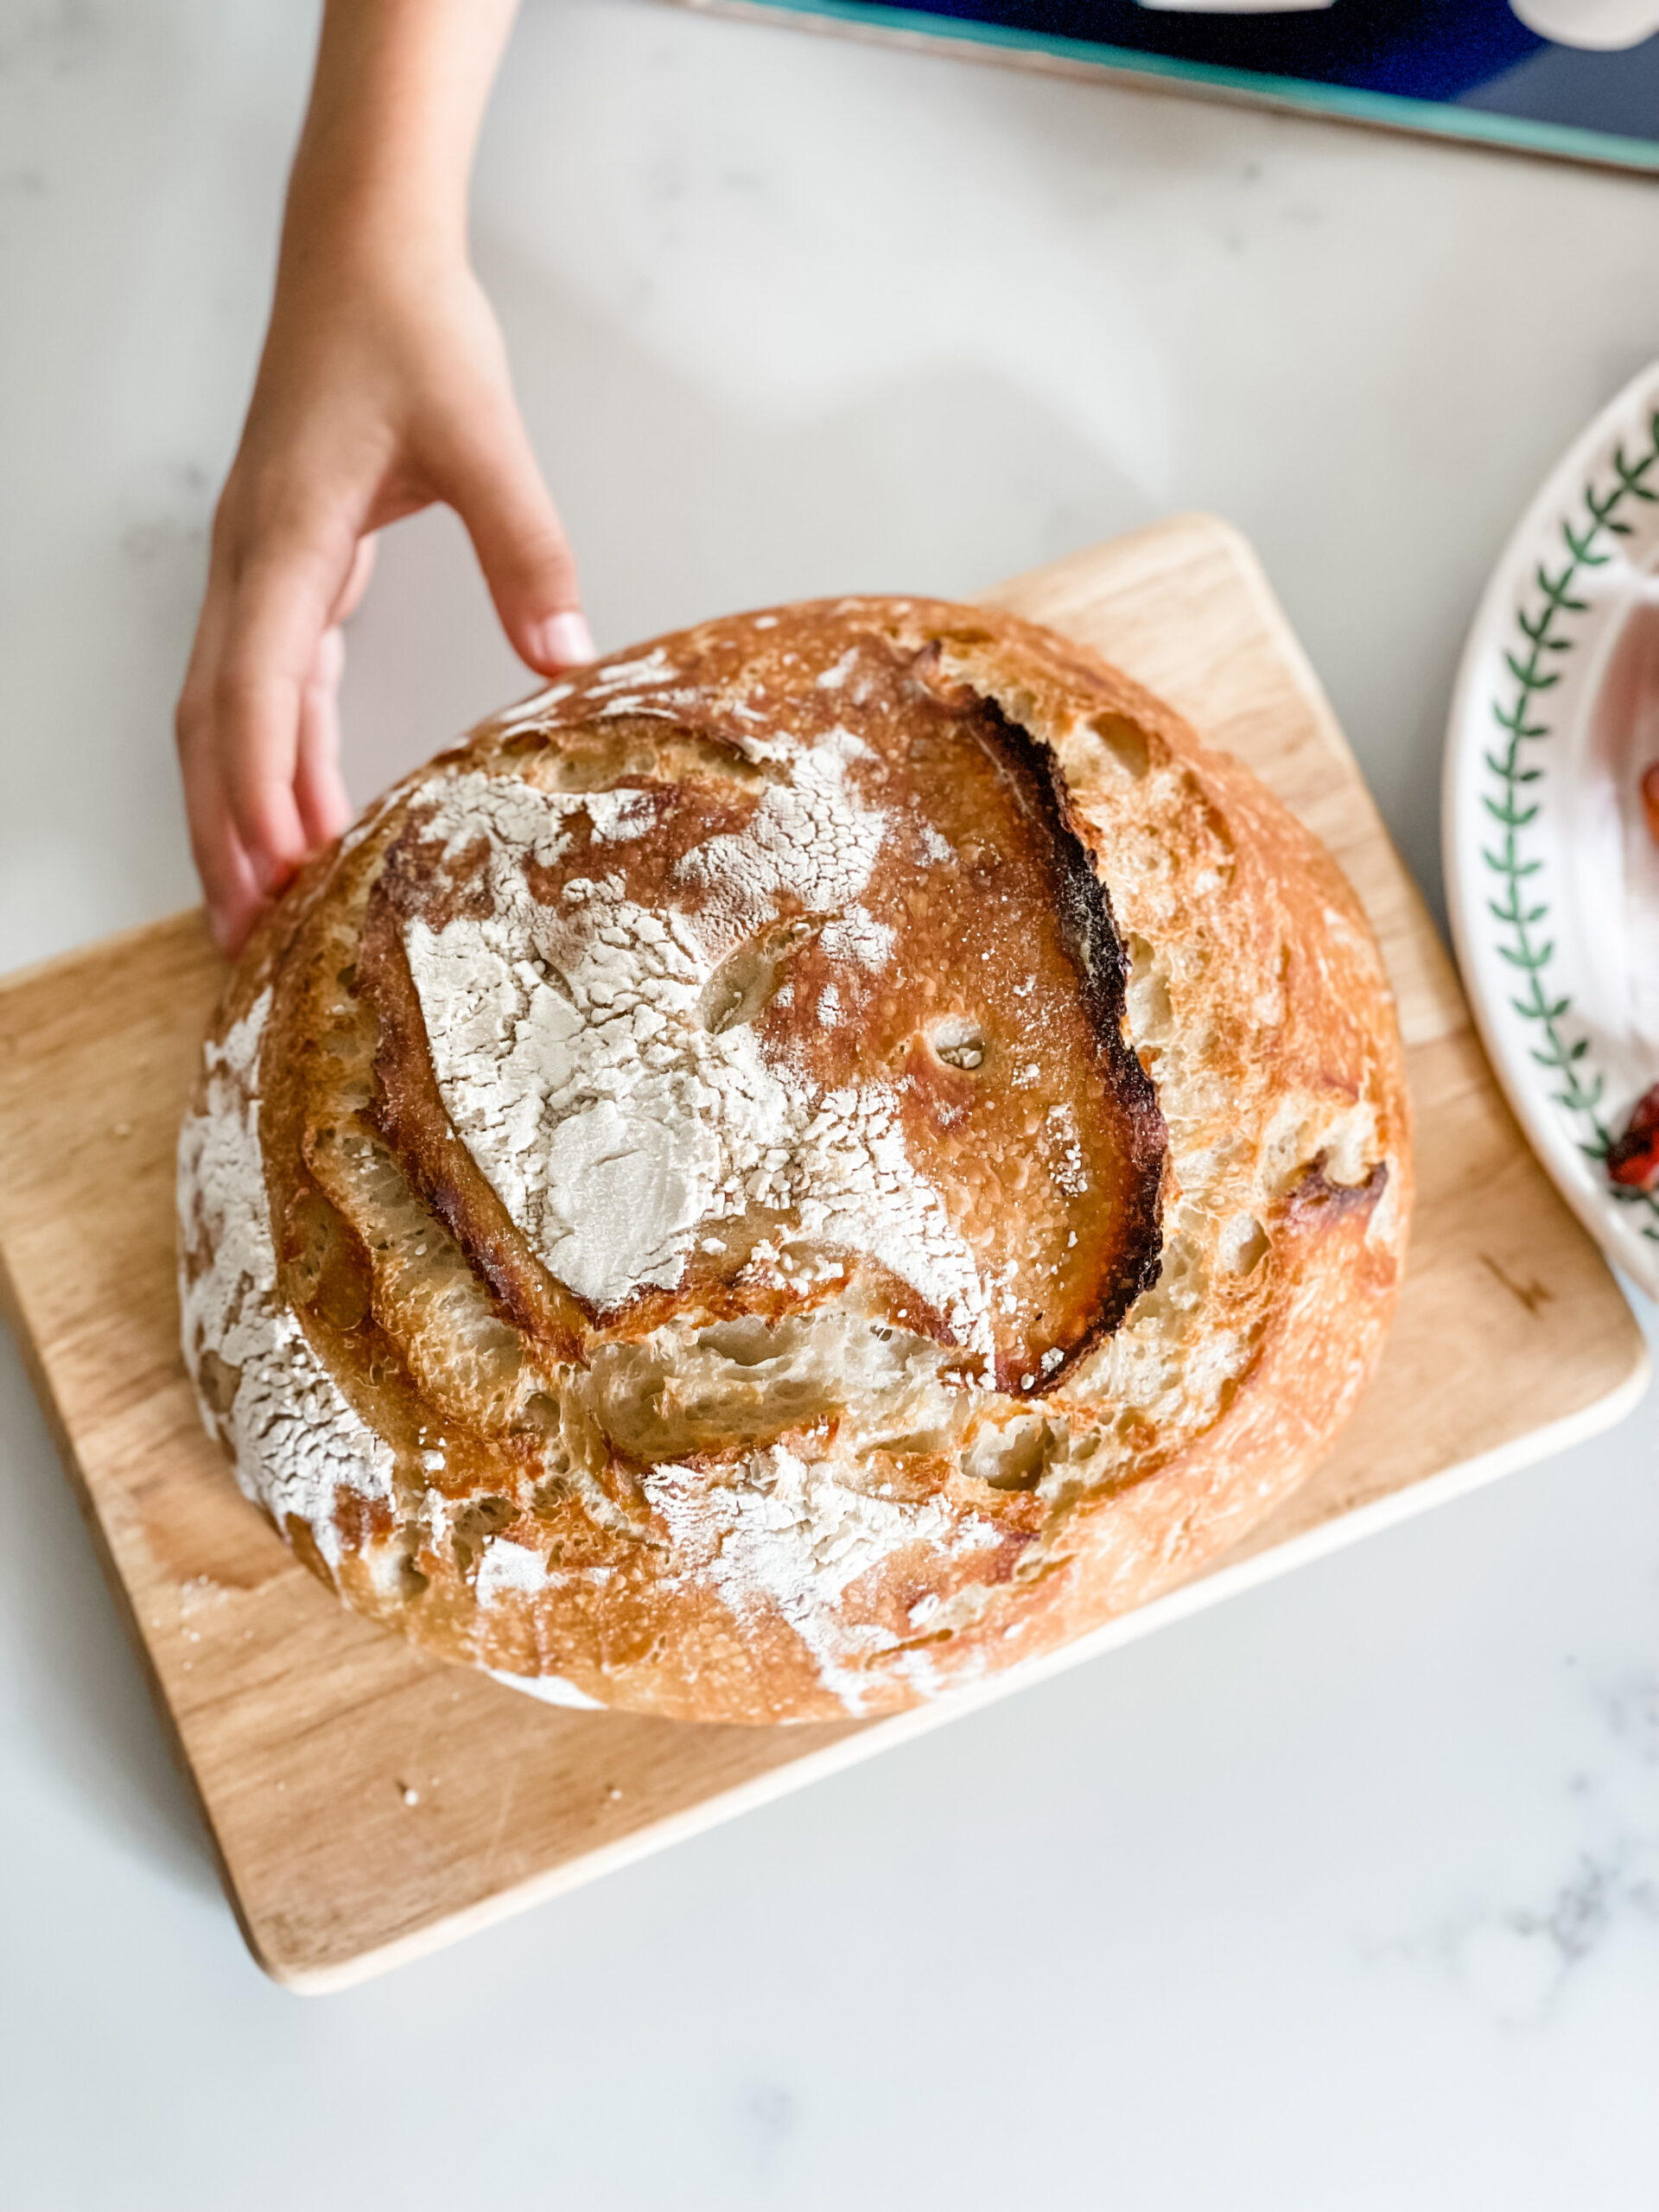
x,y
384,386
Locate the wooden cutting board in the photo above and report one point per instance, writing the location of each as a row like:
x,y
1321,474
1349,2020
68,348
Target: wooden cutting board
x,y
368,1803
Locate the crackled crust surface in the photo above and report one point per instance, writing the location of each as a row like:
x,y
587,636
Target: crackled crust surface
x,y
812,1160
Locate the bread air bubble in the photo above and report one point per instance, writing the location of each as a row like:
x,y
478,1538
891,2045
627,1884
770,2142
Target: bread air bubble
x,y
959,1043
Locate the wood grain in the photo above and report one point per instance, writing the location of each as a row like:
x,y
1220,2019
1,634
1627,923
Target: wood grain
x,y
367,1804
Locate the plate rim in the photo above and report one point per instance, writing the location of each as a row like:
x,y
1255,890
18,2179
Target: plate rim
x,y
1542,1116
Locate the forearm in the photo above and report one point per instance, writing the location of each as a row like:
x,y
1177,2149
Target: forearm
x,y
397,99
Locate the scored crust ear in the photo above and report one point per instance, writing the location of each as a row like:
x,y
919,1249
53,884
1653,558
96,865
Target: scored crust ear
x,y
410,1115
977,979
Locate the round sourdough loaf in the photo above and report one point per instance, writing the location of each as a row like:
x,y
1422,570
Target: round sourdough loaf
x,y
799,1168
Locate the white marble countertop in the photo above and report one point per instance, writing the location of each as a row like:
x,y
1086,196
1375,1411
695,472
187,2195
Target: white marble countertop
x,y
1343,1895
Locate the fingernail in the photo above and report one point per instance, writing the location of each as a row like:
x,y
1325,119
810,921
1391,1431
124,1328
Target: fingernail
x,y
565,641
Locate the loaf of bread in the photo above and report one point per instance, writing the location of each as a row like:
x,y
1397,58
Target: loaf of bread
x,y
804,1165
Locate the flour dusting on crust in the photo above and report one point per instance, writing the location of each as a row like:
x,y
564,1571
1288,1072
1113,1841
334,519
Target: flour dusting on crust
x,y
298,1446
791,1536
807,1163
613,1126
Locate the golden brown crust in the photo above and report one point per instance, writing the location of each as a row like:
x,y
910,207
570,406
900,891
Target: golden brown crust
x,y
1112,1018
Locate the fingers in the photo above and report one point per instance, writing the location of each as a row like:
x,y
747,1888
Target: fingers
x,y
257,719
276,621
233,896
320,794
234,899
357,580
494,485
319,788
227,881
319,791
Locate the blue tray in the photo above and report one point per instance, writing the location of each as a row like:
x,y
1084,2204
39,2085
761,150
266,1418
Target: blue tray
x,y
1466,69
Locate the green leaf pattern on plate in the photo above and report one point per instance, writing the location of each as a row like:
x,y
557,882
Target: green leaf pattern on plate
x,y
1546,630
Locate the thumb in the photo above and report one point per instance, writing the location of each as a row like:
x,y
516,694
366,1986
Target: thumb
x,y
495,487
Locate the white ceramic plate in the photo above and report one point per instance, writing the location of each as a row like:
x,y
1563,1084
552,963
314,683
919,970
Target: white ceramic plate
x,y
1552,877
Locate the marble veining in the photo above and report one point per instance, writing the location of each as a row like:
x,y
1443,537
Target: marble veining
x,y
1517,1954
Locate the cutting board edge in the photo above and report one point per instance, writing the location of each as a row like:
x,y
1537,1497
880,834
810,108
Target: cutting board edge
x,y
117,942
308,1978
284,1962
122,1597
